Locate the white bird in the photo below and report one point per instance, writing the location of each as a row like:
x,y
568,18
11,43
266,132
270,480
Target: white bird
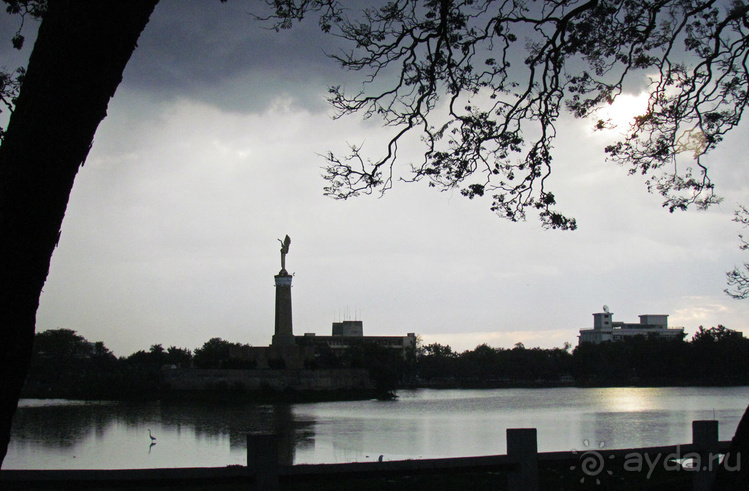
x,y
153,438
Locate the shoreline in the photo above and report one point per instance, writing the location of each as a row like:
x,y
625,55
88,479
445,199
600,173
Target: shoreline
x,y
293,396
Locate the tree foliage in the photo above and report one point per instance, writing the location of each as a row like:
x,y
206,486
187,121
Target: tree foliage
x,y
738,277
65,364
720,334
484,83
62,344
486,366
714,356
215,354
10,81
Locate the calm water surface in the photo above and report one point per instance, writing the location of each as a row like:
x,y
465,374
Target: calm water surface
x,y
61,434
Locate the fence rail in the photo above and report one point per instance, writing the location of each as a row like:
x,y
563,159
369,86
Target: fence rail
x,y
263,471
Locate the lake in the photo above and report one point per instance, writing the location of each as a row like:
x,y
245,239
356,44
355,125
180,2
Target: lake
x,y
423,423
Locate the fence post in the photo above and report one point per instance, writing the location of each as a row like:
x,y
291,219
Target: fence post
x,y
522,448
262,461
705,440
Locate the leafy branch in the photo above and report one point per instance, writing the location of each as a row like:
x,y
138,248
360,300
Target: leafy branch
x,y
11,81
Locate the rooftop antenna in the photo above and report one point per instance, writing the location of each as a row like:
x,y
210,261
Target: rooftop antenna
x,y
606,309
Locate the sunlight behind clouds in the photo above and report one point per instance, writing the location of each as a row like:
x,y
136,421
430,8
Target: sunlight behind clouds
x,y
619,115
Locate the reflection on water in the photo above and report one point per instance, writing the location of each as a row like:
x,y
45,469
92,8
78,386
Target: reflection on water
x,y
71,434
419,424
58,424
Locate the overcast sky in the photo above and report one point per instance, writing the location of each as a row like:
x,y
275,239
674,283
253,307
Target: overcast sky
x,y
211,152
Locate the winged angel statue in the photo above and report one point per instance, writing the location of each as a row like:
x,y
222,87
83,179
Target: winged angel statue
x,y
285,243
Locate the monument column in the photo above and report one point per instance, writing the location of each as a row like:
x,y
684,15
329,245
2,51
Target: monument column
x,y
284,333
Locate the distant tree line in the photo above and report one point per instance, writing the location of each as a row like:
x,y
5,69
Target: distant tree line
x,y
484,366
65,364
714,356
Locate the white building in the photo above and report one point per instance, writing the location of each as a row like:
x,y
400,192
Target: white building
x,y
605,329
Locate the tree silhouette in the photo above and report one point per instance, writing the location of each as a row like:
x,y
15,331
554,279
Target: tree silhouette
x,y
213,354
76,65
73,366
738,277
501,73
484,83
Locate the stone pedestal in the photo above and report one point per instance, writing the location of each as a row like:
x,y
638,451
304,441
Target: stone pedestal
x,y
284,333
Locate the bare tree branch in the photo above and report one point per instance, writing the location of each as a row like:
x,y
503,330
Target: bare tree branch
x,y
485,81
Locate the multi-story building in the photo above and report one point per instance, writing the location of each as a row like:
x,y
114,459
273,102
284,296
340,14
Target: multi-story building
x,y
650,325
350,333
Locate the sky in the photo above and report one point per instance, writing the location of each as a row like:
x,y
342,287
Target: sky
x,y
211,151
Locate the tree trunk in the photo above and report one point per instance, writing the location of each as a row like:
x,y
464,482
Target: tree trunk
x,y
77,63
733,475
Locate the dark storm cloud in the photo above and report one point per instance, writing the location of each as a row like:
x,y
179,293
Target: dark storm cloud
x,y
219,54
